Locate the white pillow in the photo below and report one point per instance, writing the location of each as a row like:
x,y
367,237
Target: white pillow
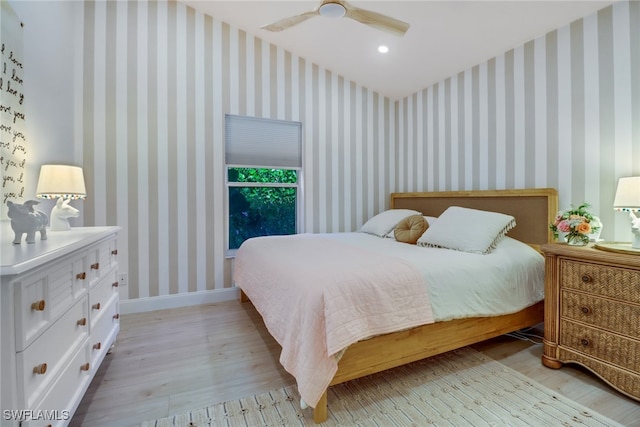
x,y
467,230
430,220
386,221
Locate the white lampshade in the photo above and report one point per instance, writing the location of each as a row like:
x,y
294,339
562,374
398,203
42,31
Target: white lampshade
x,y
628,194
64,181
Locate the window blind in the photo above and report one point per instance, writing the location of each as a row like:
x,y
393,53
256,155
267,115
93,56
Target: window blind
x,y
252,141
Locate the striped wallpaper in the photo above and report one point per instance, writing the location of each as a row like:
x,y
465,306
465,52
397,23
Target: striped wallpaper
x,y
158,78
560,111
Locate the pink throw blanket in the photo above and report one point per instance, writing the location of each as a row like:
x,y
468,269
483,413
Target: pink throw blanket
x,y
317,296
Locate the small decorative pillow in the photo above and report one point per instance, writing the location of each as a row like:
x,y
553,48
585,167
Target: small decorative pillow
x,y
430,220
467,230
384,222
410,229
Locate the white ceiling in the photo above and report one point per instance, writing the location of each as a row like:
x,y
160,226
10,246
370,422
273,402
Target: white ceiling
x,y
445,37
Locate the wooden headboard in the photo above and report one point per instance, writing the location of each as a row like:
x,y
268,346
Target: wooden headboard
x,y
534,209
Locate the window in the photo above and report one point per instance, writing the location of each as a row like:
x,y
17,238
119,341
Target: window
x,y
263,168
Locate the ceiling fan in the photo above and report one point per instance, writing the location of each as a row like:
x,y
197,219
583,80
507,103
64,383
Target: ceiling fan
x,y
339,9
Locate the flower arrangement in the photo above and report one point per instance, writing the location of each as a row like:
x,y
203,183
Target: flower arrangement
x,y
577,223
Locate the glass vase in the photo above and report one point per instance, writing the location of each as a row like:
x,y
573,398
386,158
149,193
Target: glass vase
x,y
577,239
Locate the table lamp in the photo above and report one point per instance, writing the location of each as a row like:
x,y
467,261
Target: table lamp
x,y
64,183
628,200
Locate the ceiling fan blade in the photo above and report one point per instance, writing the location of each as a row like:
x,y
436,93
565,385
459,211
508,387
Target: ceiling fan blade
x,y
376,20
285,23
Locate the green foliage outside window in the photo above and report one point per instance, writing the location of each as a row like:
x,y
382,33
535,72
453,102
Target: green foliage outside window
x,y
261,210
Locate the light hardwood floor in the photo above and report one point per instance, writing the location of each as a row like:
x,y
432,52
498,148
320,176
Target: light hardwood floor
x,y
171,361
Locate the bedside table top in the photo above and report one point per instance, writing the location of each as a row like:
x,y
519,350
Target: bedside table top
x,y
591,253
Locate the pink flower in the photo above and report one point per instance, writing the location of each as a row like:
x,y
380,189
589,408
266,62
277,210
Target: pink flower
x,y
564,226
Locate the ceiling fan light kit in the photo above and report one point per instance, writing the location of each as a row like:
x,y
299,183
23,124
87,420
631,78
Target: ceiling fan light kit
x,y
339,9
332,10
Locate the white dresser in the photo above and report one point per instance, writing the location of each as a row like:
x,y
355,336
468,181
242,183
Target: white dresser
x,y
58,319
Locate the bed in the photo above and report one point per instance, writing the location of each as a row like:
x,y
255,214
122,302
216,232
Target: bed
x,y
421,334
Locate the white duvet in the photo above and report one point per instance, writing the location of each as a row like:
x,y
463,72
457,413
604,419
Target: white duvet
x,y
462,284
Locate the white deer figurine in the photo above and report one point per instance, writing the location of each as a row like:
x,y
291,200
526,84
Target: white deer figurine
x,y
59,214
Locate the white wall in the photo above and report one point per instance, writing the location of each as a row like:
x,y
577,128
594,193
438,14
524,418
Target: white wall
x,y
49,45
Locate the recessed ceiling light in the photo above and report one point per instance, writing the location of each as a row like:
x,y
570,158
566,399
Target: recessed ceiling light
x,y
383,49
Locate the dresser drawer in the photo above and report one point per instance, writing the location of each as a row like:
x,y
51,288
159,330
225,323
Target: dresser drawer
x,y
62,399
43,360
101,258
607,314
599,344
101,296
42,297
104,332
613,282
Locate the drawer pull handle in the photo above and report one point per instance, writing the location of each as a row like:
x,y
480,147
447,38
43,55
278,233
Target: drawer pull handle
x,y
586,310
82,322
38,305
81,276
585,342
97,346
116,316
586,278
115,284
96,306
85,367
95,266
40,369
114,252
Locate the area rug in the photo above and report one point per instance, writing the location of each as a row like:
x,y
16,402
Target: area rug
x,y
459,388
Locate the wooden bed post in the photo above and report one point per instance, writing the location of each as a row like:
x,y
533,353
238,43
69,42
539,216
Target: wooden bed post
x,y
320,411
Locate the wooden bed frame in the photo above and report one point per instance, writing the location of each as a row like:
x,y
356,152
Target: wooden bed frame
x,y
533,210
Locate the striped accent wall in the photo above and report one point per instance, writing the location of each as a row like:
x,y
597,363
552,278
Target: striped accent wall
x,y
157,79
560,111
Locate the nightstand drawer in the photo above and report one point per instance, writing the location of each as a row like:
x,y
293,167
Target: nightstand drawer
x,y
613,282
607,314
599,344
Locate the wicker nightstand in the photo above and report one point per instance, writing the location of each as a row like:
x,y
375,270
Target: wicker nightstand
x,y
592,313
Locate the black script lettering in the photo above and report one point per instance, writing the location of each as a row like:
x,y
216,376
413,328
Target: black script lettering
x,y
21,98
5,128
19,147
17,135
11,91
10,163
15,77
6,178
15,60
17,115
21,177
5,108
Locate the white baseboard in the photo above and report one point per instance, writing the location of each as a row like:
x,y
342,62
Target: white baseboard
x,y
141,305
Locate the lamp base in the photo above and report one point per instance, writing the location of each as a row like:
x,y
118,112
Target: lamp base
x,y
59,214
